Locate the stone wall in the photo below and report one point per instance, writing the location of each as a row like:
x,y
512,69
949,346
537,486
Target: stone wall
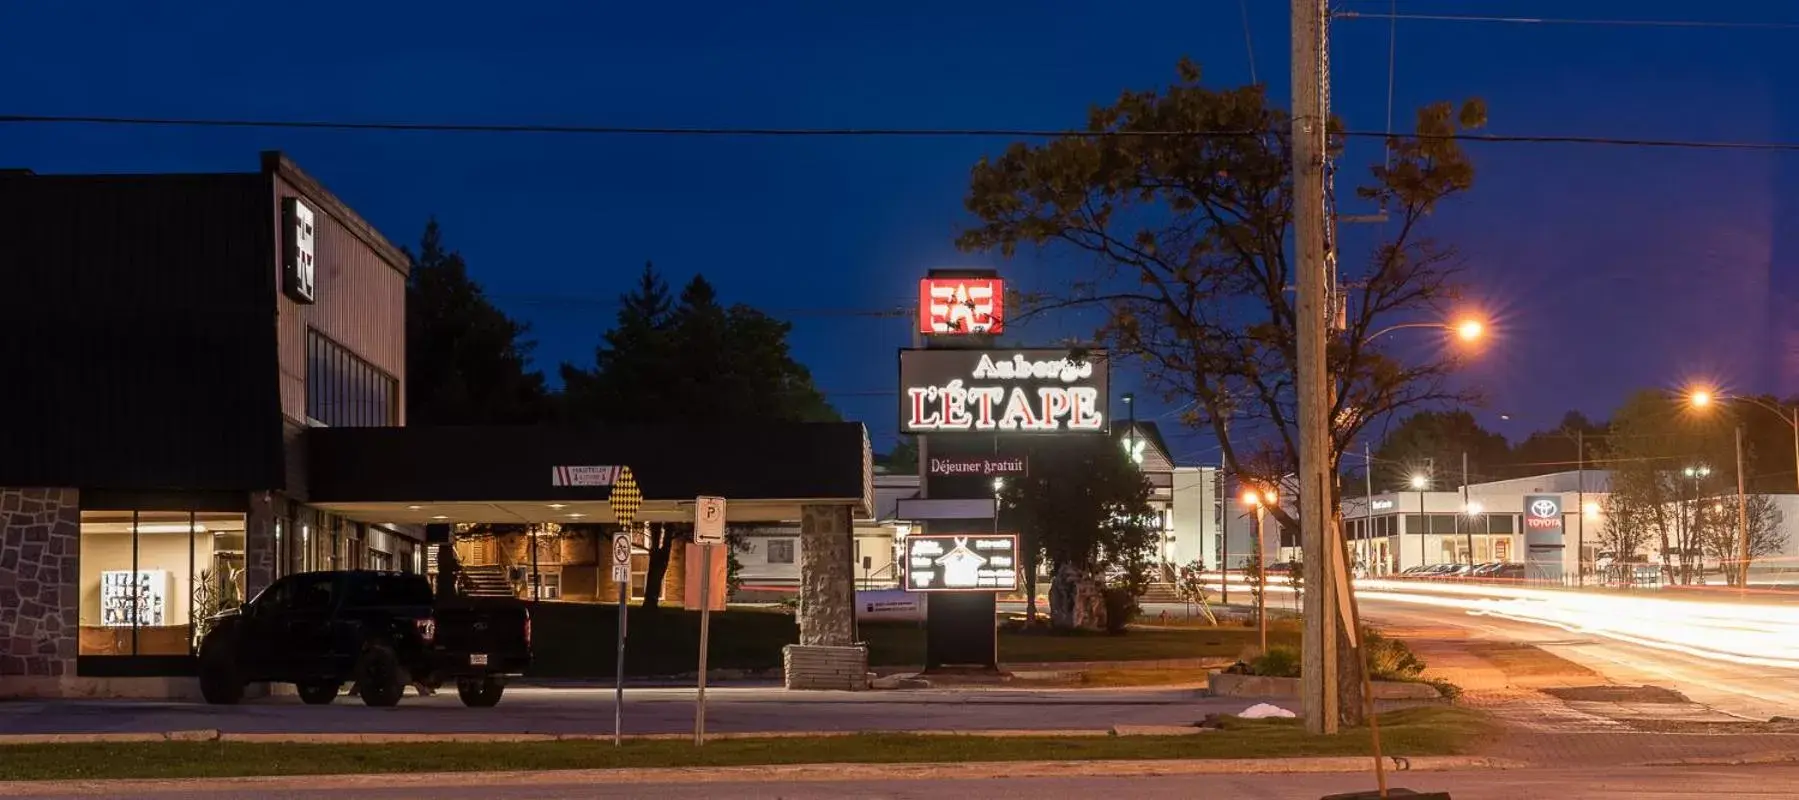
x,y
827,576
40,544
842,668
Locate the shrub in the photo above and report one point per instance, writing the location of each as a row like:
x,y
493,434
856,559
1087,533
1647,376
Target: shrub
x,y
1121,609
1390,659
1280,661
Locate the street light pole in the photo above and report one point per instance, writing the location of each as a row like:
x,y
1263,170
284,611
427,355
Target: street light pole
x,y
1742,519
1580,520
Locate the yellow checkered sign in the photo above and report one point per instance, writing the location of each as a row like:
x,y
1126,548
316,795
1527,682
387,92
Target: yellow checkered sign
x,y
626,500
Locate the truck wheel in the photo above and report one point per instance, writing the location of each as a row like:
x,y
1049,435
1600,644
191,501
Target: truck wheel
x,y
380,678
318,694
482,693
221,682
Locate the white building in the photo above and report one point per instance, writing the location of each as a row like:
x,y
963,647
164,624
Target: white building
x,y
1542,521
768,556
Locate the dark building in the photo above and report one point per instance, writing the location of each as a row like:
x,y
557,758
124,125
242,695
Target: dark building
x,y
167,338
204,390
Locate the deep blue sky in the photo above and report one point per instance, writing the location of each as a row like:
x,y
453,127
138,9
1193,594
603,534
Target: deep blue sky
x,y
1608,268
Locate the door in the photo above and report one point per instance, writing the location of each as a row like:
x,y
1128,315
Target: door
x,y
289,627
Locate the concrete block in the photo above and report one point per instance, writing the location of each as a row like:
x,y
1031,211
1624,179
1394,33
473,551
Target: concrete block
x,y
1223,684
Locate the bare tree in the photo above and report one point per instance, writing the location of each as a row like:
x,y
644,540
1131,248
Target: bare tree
x,y
1186,238
1720,531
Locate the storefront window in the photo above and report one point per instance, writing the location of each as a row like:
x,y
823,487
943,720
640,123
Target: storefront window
x,y
150,579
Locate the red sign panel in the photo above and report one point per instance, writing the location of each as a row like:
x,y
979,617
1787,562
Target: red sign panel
x,y
961,306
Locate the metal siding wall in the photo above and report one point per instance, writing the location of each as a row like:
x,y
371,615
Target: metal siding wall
x,y
361,304
134,333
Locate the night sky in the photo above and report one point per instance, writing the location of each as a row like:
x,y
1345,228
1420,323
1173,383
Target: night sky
x,y
1606,268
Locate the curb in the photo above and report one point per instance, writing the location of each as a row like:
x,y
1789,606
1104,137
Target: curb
x,y
760,774
514,738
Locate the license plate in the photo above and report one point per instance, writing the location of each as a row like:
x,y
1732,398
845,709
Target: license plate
x,y
477,659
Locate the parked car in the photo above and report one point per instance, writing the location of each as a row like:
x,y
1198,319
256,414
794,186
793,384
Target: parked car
x,y
381,631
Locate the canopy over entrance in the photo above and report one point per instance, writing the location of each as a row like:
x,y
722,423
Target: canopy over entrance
x,y
547,474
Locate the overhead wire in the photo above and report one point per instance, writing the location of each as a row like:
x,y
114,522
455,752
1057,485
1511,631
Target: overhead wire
x,y
1394,15
748,132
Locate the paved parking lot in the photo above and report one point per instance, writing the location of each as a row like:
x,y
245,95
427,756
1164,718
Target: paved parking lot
x,y
589,710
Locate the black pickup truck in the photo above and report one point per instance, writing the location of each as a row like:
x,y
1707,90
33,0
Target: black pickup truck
x,y
378,631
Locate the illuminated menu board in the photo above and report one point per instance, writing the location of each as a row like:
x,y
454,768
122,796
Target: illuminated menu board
x,y
962,562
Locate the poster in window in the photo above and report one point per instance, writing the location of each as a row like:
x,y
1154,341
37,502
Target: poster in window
x,y
122,604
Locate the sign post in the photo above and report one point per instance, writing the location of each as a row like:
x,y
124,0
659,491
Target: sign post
x,y
625,500
708,531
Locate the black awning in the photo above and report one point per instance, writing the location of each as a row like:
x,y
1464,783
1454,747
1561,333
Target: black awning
x,y
782,461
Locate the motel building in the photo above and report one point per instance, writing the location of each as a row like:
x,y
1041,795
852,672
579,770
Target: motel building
x,y
206,391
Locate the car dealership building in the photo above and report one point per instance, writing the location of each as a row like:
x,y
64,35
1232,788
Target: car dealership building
x,y
205,390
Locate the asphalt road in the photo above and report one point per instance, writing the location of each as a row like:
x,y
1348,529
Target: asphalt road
x,y
1748,691
578,710
1638,783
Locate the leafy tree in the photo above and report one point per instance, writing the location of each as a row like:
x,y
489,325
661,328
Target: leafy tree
x,y
674,362
633,374
1188,237
693,359
1557,449
467,363
903,458
1432,442
1084,506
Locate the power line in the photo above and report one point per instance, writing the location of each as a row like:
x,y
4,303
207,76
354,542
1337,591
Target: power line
x,y
1631,23
747,132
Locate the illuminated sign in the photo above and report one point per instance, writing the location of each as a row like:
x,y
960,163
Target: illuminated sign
x,y
962,562
961,306
1381,505
1543,512
297,263
584,475
1003,391
978,466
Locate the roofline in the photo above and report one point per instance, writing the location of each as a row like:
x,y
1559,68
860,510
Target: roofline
x,y
275,162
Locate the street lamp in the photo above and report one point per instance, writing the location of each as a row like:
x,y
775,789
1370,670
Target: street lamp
x,y
1702,398
1467,329
1473,509
1260,500
1421,482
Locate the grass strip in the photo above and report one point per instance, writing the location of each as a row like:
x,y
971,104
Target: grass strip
x,y
1411,732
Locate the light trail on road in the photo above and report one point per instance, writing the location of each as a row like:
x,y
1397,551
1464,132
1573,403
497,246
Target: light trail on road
x,y
1742,633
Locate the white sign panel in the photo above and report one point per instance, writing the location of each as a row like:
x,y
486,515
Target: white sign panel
x,y
621,557
964,562
298,270
122,604
890,605
583,476
709,520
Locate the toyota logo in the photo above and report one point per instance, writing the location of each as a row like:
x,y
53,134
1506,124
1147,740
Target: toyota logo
x,y
1544,508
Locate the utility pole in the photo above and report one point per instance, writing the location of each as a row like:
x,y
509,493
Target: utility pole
x,y
1467,524
1580,519
1368,505
1319,693
1742,519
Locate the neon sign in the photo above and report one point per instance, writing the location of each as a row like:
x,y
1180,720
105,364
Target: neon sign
x,y
961,306
1014,391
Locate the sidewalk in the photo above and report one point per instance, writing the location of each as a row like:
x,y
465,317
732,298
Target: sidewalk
x,y
1558,713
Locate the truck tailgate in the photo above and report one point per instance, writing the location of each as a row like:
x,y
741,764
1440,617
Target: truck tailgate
x,y
494,627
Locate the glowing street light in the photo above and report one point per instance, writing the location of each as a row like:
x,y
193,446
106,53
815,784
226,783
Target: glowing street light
x,y
1591,510
1470,329
1420,482
1260,500
1700,398
1475,509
